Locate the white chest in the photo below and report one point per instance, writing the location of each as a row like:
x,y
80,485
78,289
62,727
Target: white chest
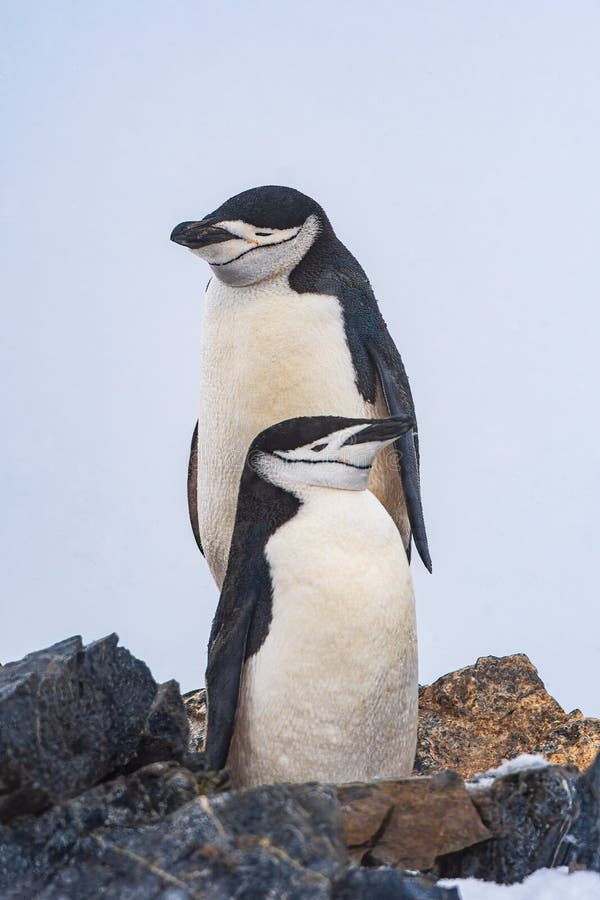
x,y
332,693
281,349
267,354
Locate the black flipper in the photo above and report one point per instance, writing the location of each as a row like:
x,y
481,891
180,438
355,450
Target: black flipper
x,y
227,647
192,488
399,402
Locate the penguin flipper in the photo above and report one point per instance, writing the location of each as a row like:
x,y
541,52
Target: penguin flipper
x,y
227,651
192,488
396,390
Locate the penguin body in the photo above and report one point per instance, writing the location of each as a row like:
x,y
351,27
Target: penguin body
x,y
290,328
315,677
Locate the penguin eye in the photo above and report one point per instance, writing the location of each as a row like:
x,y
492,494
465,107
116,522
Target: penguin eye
x,y
318,447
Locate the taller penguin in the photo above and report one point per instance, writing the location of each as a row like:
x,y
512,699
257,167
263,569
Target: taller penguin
x,y
291,327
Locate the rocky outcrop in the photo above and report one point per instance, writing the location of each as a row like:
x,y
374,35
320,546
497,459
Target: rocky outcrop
x,y
472,719
162,832
69,716
101,795
156,834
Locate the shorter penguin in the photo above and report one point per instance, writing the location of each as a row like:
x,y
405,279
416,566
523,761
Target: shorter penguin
x,y
312,659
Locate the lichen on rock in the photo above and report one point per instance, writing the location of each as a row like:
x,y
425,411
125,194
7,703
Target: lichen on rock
x,y
472,719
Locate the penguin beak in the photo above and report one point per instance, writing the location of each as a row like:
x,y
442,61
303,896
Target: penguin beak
x,y
199,234
382,430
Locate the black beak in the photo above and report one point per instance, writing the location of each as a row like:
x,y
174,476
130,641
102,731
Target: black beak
x,y
382,430
199,234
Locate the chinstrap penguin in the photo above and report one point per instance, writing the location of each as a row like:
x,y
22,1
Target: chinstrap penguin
x,y
291,327
312,658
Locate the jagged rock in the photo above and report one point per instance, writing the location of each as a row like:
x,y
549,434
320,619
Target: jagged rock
x,y
410,822
195,707
576,741
86,721
69,716
539,817
166,730
472,719
155,834
167,829
150,835
579,846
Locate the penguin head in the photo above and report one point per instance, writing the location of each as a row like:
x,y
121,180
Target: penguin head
x,y
324,451
256,235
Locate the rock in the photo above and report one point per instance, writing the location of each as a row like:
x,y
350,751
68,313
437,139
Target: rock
x,y
166,730
579,845
410,822
195,707
102,797
104,793
472,719
576,741
388,884
539,818
69,716
150,835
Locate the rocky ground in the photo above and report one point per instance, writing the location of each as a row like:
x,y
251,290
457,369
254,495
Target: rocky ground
x,y
103,792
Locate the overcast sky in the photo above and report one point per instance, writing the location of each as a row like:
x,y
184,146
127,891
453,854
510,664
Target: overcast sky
x,y
455,147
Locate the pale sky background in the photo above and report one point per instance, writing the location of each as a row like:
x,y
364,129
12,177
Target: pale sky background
x,y
456,148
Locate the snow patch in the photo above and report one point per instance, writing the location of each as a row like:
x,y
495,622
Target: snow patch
x,y
508,767
545,884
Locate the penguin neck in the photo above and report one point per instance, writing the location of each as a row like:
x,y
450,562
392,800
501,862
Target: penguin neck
x,y
319,267
263,503
312,494
222,292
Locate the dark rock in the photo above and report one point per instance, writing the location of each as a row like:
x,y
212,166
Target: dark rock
x,y
166,730
579,845
529,813
409,822
472,719
150,834
69,716
387,884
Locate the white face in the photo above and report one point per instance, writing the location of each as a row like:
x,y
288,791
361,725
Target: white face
x,y
326,462
255,254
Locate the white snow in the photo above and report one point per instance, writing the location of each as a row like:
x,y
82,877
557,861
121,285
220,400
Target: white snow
x,y
545,884
508,767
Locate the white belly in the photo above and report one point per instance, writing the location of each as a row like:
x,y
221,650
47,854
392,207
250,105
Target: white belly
x,y
332,693
269,354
